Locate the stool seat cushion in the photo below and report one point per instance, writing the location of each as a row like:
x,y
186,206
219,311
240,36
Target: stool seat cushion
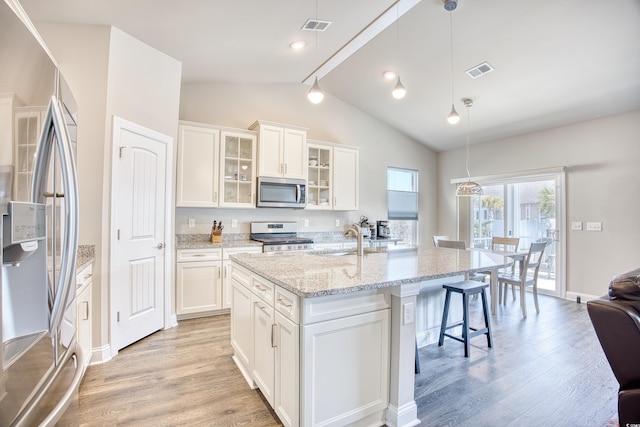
x,y
466,286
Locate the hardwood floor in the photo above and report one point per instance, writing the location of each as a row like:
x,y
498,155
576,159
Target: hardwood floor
x,y
545,370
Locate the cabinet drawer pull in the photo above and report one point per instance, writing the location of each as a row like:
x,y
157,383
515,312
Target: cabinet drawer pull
x,y
261,288
285,303
274,341
197,255
85,310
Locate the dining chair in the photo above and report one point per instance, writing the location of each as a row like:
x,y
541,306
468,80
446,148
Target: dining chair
x,y
436,239
454,244
506,244
527,276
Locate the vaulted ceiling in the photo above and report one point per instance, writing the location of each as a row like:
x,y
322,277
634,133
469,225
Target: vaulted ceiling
x,y
555,63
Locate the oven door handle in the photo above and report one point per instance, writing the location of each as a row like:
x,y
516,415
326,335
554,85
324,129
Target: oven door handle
x,y
298,193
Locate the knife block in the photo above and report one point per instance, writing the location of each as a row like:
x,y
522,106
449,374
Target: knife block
x,y
216,236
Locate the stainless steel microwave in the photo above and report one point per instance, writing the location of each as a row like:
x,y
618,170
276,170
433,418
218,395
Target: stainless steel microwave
x,y
281,193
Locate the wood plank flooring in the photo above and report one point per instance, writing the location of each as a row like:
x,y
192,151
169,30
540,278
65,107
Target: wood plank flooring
x,y
546,370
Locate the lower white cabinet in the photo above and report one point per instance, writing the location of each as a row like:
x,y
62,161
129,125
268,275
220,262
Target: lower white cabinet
x,y
319,361
202,280
83,313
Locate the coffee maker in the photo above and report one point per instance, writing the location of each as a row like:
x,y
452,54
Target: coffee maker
x,y
382,228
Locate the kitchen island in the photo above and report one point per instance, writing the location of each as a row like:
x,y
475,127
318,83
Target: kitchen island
x,y
329,338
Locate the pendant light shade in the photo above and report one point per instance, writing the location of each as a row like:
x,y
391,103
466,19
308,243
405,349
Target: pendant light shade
x,y
315,95
453,116
468,188
398,90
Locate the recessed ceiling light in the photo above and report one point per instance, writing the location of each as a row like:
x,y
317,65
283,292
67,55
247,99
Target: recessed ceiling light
x,y
390,75
297,45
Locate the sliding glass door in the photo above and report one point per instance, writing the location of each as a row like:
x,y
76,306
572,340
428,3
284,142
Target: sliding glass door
x,y
529,207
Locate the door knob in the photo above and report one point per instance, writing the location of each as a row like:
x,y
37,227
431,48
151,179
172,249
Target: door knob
x,y
160,245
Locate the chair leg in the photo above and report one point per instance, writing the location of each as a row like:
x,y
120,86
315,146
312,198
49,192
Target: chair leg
x,y
513,292
504,293
445,315
487,318
465,324
522,302
500,292
535,296
417,368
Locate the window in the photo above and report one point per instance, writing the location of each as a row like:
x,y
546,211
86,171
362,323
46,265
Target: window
x,y
402,204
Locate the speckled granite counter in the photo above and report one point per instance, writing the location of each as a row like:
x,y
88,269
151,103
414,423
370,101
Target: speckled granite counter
x,y
314,274
86,255
201,241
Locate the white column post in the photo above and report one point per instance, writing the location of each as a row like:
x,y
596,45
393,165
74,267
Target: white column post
x,y
402,410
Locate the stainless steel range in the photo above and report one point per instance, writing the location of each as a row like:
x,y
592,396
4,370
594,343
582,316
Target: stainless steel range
x,y
279,237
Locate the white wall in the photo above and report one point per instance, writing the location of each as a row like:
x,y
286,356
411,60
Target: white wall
x,y
334,121
110,74
603,184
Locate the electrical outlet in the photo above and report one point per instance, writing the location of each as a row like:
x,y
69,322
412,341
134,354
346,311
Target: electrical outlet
x,y
192,222
594,226
407,313
234,223
306,222
337,223
576,226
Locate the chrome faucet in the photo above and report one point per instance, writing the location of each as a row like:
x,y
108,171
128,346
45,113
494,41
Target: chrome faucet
x,y
357,232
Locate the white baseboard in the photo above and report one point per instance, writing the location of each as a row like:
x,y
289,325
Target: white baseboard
x,y
573,296
405,416
100,355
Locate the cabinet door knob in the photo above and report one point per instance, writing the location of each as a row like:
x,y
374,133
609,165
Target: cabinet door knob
x,y
160,245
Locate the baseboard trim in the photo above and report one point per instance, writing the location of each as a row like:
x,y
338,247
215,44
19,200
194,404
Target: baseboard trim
x,y
100,355
579,296
405,416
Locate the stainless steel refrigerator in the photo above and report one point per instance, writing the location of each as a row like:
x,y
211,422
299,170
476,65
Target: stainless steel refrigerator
x,y
41,365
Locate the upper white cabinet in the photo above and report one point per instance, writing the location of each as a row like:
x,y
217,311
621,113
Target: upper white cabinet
x,y
28,125
238,169
333,181
215,167
346,193
282,150
197,177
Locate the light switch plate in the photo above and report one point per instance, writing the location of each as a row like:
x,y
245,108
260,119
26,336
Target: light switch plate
x,y
594,226
337,223
576,225
407,313
192,222
306,222
234,223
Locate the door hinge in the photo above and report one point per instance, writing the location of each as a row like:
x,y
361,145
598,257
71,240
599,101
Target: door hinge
x,y
121,150
117,316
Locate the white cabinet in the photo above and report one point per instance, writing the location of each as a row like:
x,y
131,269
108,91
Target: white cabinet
x,y
281,150
202,280
27,126
238,169
346,194
317,361
197,177
333,181
198,282
83,306
226,270
215,167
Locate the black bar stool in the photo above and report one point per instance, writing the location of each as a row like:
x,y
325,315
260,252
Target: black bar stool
x,y
466,288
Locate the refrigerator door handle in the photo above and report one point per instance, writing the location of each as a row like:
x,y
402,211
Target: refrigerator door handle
x,y
55,134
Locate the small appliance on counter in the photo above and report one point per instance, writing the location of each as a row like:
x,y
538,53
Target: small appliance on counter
x,y
382,228
365,228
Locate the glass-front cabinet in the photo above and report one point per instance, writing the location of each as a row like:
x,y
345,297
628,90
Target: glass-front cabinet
x,y
319,178
28,125
238,168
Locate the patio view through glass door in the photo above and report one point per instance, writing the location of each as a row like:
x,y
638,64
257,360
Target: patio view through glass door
x,y
528,208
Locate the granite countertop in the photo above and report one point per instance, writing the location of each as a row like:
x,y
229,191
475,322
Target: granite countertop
x,y
86,255
319,273
201,241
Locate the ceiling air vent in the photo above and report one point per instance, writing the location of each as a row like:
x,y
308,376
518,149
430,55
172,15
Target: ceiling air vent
x,y
479,70
315,25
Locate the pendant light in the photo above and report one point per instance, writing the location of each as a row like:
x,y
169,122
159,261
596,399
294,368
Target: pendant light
x,y
468,188
399,90
453,117
316,95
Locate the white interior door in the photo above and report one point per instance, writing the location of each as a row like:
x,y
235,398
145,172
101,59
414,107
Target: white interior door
x,y
138,246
